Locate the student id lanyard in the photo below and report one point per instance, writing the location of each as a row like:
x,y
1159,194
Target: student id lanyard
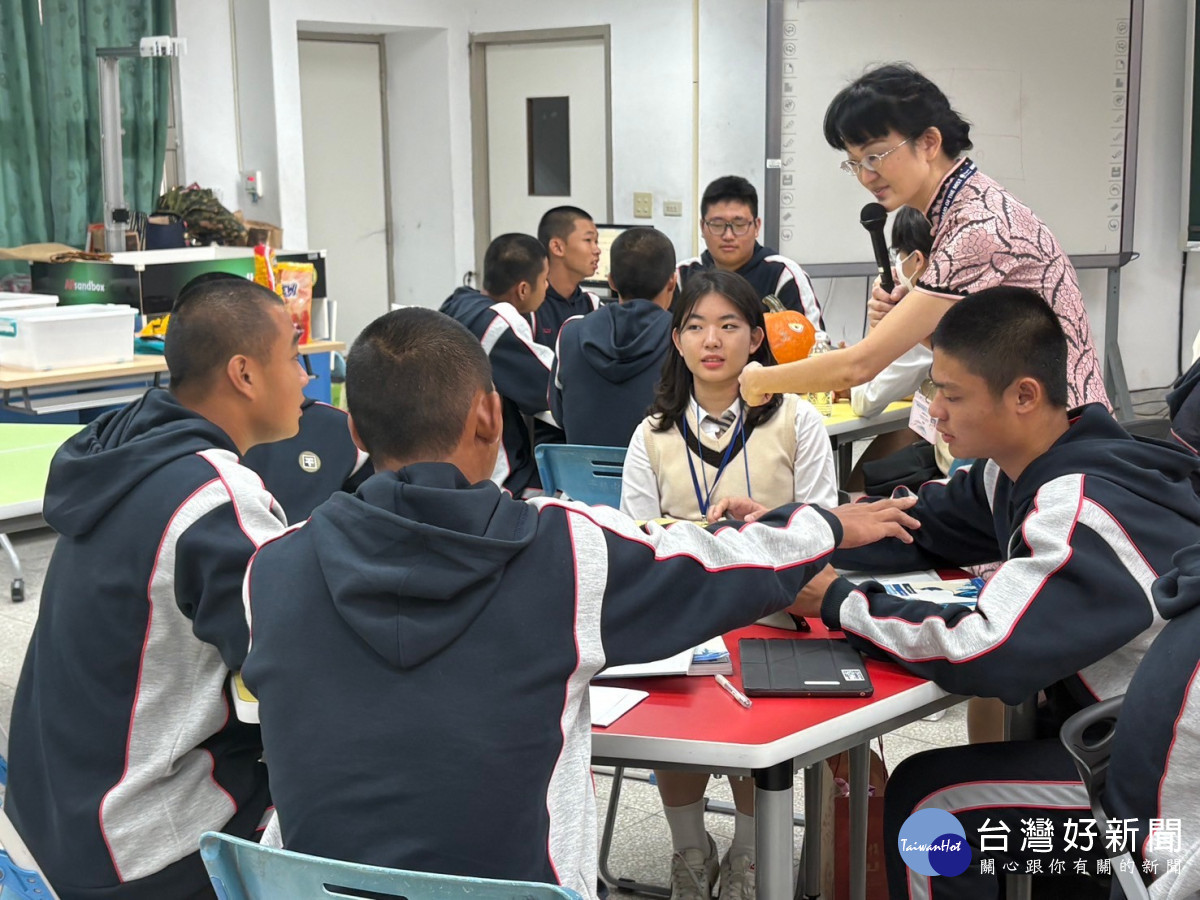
x,y
704,499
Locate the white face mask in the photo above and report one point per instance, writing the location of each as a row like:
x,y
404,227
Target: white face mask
x,y
909,281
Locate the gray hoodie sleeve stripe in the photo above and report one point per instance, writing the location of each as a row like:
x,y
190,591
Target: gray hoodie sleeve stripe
x,y
569,799
167,797
1179,789
1001,605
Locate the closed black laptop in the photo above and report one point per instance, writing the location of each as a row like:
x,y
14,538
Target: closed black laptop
x,y
820,667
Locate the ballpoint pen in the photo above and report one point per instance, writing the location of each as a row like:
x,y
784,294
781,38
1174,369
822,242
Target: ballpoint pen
x,y
733,692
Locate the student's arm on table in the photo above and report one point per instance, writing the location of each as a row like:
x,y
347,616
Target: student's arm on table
x,y
905,327
1066,603
672,587
957,529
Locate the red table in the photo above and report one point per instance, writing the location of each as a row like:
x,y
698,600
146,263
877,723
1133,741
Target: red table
x,y
691,723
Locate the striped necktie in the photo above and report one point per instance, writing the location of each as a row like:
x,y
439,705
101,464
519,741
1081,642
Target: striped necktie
x,y
724,422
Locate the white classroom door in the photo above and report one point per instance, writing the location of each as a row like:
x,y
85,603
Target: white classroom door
x,y
518,74
341,105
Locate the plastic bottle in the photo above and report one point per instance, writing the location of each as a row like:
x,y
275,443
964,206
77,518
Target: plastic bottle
x,y
822,400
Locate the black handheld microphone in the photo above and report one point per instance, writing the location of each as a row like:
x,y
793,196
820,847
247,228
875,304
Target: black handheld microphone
x,y
873,217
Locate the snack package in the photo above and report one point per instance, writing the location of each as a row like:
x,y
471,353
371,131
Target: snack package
x,y
264,267
294,283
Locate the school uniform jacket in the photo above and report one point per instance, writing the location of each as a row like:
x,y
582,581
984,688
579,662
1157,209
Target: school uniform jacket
x,y
1083,533
607,366
1183,403
547,320
123,750
302,472
520,371
769,273
1153,772
422,649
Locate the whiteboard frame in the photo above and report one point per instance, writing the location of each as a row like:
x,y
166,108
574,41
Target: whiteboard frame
x,y
1189,88
774,135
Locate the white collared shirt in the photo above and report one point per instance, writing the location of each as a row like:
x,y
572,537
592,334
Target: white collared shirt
x,y
813,473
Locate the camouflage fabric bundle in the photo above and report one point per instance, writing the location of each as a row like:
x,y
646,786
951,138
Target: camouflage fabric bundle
x,y
206,220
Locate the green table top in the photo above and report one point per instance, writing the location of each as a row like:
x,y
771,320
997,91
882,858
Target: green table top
x,y
25,454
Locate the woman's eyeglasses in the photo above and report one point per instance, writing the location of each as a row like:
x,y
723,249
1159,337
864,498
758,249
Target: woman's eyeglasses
x,y
870,162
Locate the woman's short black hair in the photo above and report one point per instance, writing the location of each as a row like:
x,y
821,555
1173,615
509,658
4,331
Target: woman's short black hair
x,y
894,97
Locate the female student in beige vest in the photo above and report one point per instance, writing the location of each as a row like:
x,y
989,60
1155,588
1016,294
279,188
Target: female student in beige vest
x,y
700,444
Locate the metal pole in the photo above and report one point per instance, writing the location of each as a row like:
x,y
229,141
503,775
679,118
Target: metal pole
x,y
115,214
773,831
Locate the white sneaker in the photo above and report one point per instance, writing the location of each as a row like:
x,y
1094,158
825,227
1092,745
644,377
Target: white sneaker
x,y
737,876
693,873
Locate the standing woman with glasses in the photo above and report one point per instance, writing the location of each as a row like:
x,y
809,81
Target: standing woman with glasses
x,y
905,145
730,224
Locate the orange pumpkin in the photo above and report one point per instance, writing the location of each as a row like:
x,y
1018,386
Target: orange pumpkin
x,y
790,334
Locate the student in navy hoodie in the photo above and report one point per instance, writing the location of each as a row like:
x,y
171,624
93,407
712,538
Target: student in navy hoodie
x,y
304,471
729,224
514,286
123,750
573,247
1082,515
607,363
1153,776
422,648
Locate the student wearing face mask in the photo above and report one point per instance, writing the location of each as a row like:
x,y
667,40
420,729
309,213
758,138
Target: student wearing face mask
x,y
911,244
906,145
893,458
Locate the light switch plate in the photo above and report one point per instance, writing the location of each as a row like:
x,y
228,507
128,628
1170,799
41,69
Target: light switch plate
x,y
643,205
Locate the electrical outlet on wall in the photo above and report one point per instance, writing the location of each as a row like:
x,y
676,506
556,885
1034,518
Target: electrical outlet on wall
x,y
672,207
643,205
253,182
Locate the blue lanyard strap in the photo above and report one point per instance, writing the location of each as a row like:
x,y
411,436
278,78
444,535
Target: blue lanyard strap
x,y
704,499
953,186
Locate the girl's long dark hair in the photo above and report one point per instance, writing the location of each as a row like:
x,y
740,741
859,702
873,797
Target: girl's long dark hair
x,y
675,385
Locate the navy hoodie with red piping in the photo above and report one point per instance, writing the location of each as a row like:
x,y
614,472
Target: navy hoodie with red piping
x,y
123,749
1082,534
421,653
1154,770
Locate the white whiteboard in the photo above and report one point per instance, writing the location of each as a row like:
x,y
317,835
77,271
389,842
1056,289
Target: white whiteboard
x,y
1045,85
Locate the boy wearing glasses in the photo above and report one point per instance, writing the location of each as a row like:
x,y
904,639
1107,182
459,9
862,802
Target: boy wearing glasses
x,y
730,224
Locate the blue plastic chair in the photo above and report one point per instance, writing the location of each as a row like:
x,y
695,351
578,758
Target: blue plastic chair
x,y
20,877
582,472
244,870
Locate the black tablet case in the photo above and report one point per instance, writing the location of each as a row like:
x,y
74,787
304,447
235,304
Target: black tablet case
x,y
818,667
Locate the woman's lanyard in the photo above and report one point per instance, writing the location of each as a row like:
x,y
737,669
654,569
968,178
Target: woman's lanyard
x,y
704,500
953,186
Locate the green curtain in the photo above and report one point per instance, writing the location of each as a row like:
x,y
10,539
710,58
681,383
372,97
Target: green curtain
x,y
51,185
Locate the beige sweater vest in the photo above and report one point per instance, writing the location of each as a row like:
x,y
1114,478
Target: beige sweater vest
x,y
771,450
